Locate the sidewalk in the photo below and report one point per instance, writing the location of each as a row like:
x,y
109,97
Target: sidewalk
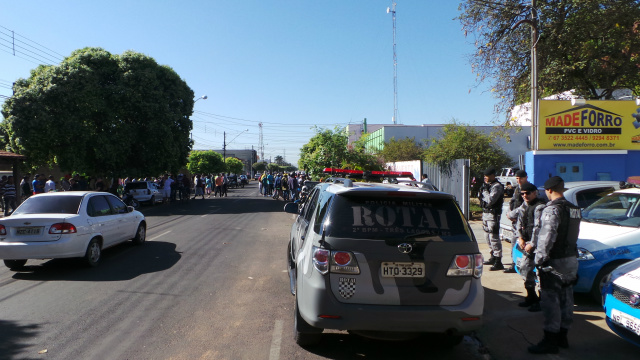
x,y
509,329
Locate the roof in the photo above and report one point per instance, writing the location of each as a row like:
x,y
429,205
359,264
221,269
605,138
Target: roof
x,y
11,156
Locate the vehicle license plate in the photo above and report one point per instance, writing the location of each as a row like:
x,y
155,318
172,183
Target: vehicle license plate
x,y
31,230
626,321
402,269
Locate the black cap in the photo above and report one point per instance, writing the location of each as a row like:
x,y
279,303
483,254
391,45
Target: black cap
x,y
527,186
554,183
521,173
489,171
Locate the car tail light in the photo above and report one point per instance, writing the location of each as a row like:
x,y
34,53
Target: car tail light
x,y
3,230
62,228
339,262
466,265
321,259
344,262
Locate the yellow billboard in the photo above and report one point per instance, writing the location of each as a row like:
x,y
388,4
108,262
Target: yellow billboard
x,y
596,125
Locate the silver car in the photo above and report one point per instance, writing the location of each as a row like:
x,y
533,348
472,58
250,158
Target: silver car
x,y
383,261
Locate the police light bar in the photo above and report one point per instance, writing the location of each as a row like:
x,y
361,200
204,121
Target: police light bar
x,y
358,173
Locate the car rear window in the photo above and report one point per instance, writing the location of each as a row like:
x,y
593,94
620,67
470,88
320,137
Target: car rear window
x,y
394,218
67,204
135,185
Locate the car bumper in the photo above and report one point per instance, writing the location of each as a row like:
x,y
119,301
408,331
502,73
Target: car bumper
x,y
65,247
314,302
611,303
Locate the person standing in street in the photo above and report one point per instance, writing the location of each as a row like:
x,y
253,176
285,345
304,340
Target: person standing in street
x,y
9,196
556,258
491,199
514,210
529,211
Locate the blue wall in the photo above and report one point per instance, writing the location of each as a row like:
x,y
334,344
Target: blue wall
x,y
619,165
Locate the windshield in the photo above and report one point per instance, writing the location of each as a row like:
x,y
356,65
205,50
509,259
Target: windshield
x,y
620,209
396,218
50,205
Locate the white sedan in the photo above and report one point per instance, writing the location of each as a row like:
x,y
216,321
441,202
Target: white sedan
x,y
67,225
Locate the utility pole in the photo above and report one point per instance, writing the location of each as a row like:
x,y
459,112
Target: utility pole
x,y
224,146
392,10
260,142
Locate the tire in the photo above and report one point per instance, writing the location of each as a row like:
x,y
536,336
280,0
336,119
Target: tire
x,y
304,334
93,255
598,281
135,204
15,264
141,235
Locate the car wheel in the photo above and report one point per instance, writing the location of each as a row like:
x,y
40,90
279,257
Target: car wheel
x,y
14,264
141,235
303,333
598,281
94,253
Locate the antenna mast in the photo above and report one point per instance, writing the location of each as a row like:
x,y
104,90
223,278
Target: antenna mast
x,y
392,10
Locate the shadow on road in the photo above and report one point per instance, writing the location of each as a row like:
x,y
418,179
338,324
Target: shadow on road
x,y
225,205
123,262
14,338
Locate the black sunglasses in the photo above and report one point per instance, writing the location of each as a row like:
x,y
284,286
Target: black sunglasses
x,y
526,192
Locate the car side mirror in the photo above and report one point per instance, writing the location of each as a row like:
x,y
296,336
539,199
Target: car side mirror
x,y
291,208
130,209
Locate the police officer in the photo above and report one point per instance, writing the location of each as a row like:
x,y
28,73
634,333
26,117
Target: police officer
x,y
514,211
530,210
491,199
556,235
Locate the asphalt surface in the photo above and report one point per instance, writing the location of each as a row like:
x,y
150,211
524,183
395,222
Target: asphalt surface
x,y
211,283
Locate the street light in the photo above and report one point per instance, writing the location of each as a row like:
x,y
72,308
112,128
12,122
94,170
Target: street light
x,y
201,97
225,143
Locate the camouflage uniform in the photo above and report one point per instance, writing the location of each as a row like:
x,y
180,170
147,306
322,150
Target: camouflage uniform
x,y
556,247
525,230
491,199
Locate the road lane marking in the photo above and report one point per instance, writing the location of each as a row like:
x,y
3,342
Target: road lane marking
x,y
157,236
274,354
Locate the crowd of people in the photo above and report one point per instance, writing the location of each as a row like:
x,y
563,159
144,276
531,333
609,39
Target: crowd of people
x,y
285,186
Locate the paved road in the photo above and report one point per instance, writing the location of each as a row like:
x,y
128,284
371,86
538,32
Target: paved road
x,y
211,283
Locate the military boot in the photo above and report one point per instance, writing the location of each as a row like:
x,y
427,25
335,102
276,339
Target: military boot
x,y
548,345
491,261
563,342
530,299
497,265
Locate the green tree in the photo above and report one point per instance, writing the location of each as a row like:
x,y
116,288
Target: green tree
x,y
584,45
234,165
401,150
259,166
328,148
279,160
205,162
273,167
100,113
358,159
461,141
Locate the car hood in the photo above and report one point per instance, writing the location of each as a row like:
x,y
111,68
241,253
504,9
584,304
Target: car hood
x,y
594,237
630,280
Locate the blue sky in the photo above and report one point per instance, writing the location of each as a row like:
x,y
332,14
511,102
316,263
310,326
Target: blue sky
x,y
287,64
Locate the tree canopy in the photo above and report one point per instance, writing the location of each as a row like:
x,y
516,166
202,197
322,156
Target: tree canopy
x,y
234,165
329,148
205,162
461,141
401,150
590,46
101,113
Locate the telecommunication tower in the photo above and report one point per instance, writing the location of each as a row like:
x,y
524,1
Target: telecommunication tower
x,y
392,10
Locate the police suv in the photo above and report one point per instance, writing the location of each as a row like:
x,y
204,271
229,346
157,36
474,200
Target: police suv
x,y
383,261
